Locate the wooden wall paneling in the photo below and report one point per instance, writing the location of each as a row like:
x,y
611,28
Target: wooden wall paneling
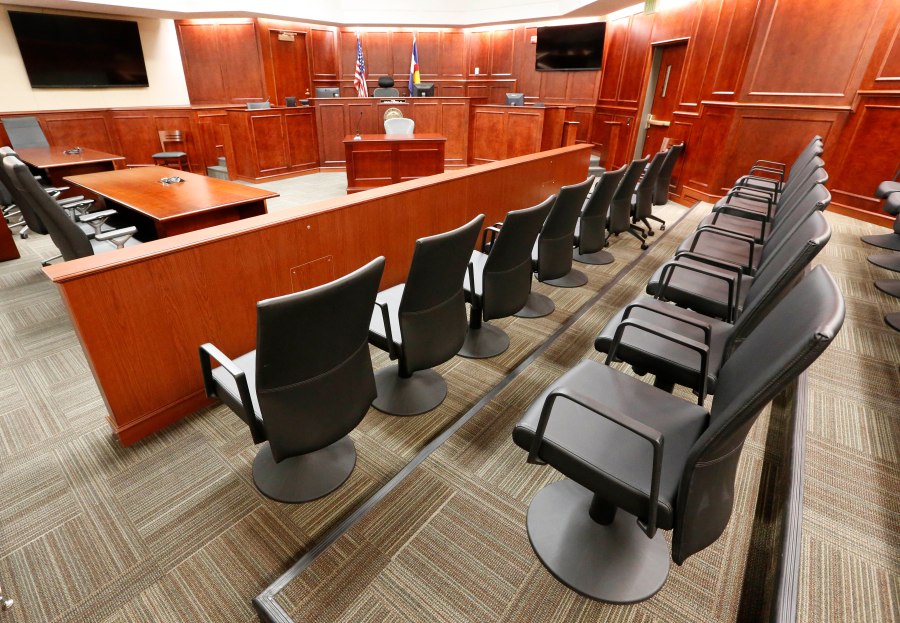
x,y
497,90
138,138
289,66
453,54
581,86
324,62
705,157
429,46
330,120
884,69
601,136
699,54
269,141
866,159
479,53
553,86
455,89
613,57
455,126
787,63
680,132
151,291
675,23
241,61
202,65
527,79
634,64
347,54
300,128
479,89
733,39
80,129
427,116
552,126
212,127
378,53
584,115
502,52
180,119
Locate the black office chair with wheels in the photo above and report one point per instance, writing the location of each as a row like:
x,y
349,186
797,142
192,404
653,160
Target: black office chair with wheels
x,y
24,132
620,206
642,203
499,278
661,194
422,323
307,385
638,459
71,240
385,88
590,232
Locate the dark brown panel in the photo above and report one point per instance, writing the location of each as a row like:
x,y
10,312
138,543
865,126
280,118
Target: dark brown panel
x,y
200,57
502,52
553,85
889,63
479,53
81,130
270,143
429,47
455,126
142,139
705,157
377,47
699,53
290,67
581,86
733,39
634,65
324,58
347,43
453,54
613,55
330,121
528,81
241,62
487,126
523,134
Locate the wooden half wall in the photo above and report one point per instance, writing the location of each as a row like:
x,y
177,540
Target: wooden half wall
x,y
141,312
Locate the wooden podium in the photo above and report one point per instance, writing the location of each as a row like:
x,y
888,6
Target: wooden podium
x,y
380,159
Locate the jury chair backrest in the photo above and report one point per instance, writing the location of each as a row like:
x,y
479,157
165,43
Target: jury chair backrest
x,y
620,207
646,187
555,242
817,198
506,278
24,132
432,310
661,195
20,198
68,237
775,353
314,379
592,230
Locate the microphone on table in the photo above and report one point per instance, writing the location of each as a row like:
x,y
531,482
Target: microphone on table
x,y
358,137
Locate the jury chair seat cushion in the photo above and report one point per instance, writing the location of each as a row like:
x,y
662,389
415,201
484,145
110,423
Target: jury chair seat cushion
x,y
702,293
169,154
227,389
723,248
377,332
745,205
663,357
738,224
606,458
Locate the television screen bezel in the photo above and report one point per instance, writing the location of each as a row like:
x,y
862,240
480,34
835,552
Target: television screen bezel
x,y
538,67
143,80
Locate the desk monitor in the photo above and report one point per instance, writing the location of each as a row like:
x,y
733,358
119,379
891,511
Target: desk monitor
x,y
515,99
258,105
328,92
423,89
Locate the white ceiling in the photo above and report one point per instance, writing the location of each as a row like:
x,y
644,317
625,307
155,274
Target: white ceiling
x,y
446,13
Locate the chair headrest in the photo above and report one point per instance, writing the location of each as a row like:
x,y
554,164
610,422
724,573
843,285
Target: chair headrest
x,y
385,82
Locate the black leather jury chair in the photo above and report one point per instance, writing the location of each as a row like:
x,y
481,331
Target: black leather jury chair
x,y
661,194
551,256
499,278
24,132
620,207
642,203
890,192
660,338
638,459
590,232
307,385
422,323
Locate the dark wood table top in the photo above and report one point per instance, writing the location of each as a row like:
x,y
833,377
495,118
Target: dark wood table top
x,y
394,137
55,156
141,190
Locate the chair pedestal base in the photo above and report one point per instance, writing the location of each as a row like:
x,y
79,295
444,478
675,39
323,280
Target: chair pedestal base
x,y
890,261
306,477
572,279
616,563
893,320
418,394
597,258
538,306
483,342
883,241
889,286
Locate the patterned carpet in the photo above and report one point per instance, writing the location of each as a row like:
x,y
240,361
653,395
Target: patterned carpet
x,y
172,529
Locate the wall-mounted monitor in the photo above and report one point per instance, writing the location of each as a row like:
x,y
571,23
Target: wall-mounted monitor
x,y
61,51
423,89
328,92
570,48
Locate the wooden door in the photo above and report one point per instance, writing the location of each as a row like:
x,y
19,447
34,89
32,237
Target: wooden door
x,y
290,64
665,96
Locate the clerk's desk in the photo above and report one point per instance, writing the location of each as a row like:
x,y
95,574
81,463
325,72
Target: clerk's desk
x,y
375,160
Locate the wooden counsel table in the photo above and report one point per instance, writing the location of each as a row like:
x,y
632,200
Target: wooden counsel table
x,y
380,159
55,164
159,210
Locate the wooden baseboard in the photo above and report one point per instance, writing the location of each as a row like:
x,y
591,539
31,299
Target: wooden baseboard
x,y
134,431
863,215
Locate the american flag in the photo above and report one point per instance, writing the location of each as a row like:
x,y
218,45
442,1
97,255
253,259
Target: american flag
x,y
359,78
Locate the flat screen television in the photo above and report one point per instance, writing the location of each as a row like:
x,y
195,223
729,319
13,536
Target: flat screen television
x,y
61,51
570,48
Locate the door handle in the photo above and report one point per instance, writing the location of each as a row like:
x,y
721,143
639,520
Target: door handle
x,y
657,122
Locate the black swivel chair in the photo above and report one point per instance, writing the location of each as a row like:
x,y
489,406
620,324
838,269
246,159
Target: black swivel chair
x,y
661,195
499,279
620,206
24,132
552,253
71,240
307,385
642,203
890,192
590,232
422,323
639,459
386,88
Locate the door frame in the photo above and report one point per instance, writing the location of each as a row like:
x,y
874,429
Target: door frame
x,y
649,88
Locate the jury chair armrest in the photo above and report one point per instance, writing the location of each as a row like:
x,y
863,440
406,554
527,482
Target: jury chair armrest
x,y
93,216
117,236
653,436
723,233
494,231
388,333
733,283
208,352
703,326
780,165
